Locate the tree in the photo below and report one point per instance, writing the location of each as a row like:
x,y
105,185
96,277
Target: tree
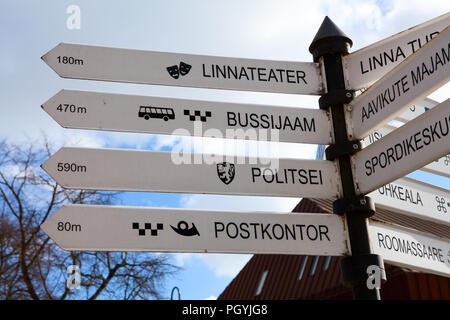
x,y
33,267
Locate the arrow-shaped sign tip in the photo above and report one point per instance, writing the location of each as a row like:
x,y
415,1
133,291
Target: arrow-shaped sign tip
x,y
46,167
49,227
48,55
45,105
44,228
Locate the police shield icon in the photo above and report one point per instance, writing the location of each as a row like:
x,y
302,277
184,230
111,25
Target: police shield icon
x,y
226,171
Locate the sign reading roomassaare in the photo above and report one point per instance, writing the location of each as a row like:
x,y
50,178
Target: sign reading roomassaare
x,y
367,65
119,228
188,70
410,248
423,72
414,198
404,150
131,113
155,171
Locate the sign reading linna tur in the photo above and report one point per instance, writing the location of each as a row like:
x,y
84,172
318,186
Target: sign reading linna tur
x,y
365,66
188,70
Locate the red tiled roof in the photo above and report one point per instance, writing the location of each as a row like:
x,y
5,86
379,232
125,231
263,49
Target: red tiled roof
x,y
283,270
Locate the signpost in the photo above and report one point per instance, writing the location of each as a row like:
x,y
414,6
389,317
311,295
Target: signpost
x,y
410,248
423,72
414,198
153,171
187,70
119,228
404,150
367,65
117,112
410,64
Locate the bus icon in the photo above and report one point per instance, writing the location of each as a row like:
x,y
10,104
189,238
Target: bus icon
x,y
148,112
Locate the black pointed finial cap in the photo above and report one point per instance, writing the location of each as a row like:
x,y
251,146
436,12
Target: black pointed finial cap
x,y
329,39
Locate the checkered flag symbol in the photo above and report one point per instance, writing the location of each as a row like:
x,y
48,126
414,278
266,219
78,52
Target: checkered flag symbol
x,y
147,226
197,116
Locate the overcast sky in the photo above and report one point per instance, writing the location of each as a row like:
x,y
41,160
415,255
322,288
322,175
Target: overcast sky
x,y
275,30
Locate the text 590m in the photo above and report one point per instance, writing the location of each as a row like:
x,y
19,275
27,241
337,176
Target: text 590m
x,y
71,167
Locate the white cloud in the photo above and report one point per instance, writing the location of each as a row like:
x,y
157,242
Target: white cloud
x,y
222,265
239,203
225,265
83,139
211,298
181,258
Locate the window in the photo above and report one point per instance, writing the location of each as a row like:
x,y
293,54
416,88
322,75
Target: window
x,y
302,267
327,263
314,266
261,282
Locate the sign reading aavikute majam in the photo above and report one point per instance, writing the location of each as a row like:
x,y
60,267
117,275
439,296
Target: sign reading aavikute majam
x,y
411,249
367,65
404,150
154,171
118,112
415,198
440,166
187,70
119,228
423,72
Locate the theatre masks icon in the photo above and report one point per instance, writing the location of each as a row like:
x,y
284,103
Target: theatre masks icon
x,y
226,171
175,71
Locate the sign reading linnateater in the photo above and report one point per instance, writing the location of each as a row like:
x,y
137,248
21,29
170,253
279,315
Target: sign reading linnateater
x,y
188,70
411,249
118,228
421,73
404,150
153,171
118,112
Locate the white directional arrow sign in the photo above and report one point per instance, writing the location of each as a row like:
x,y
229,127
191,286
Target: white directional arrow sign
x,y
117,228
412,197
134,170
404,150
367,65
410,248
440,166
117,112
421,73
187,70
416,110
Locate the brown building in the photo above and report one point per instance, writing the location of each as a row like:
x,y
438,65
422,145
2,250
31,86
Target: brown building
x,y
293,277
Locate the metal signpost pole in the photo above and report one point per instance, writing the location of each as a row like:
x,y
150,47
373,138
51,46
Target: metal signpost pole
x,y
329,44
